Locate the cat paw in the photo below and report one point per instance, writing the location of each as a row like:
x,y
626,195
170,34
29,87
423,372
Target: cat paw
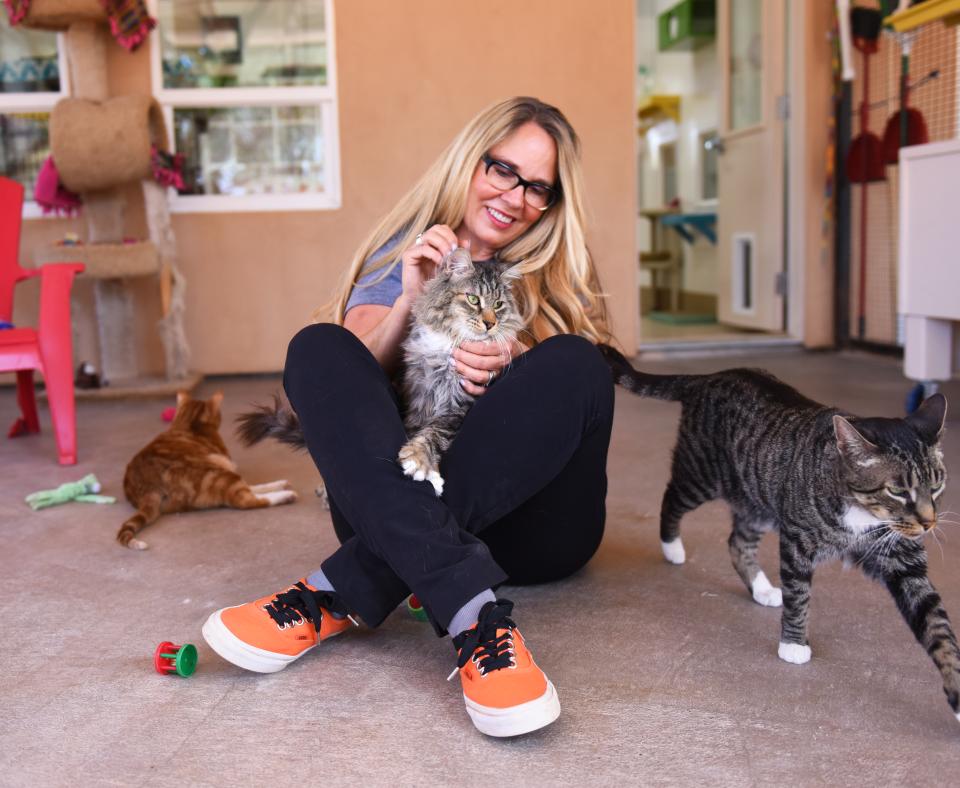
x,y
437,481
278,497
416,464
794,653
764,593
673,551
137,544
280,484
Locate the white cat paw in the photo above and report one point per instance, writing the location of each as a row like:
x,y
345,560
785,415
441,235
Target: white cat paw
x,y
795,653
764,593
437,481
673,551
137,544
278,497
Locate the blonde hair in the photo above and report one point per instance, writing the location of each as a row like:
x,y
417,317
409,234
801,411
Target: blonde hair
x,y
559,290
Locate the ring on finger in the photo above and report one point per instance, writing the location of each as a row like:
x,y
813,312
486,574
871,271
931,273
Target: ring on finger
x,y
419,239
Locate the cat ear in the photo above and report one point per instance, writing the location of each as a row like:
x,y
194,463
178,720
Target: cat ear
x,y
511,274
216,399
458,262
929,418
852,445
182,397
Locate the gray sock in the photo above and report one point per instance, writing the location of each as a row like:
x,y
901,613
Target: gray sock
x,y
467,615
319,581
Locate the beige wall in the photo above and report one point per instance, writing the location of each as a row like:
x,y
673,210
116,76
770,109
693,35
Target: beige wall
x,y
410,75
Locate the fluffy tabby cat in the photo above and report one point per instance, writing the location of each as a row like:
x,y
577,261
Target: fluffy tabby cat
x,y
834,485
463,302
187,467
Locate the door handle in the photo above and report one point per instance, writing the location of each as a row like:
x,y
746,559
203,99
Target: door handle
x,y
715,142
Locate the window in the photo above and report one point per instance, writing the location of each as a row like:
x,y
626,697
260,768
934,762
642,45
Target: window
x,y
31,82
248,89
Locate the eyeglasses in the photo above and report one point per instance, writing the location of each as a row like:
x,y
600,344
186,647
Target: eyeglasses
x,y
503,177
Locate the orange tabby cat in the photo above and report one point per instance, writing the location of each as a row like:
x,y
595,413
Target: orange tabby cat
x,y
188,467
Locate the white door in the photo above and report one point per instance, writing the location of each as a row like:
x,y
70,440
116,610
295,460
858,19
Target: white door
x,y
750,206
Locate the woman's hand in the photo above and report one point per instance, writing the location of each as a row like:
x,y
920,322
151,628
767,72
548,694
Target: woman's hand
x,y
479,364
420,261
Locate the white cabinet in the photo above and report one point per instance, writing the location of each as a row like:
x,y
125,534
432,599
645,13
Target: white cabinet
x,y
929,276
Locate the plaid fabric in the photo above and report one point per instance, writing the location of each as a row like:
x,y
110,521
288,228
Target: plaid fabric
x,y
130,23
16,10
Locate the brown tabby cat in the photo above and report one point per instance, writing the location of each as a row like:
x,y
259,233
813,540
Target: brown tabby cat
x,y
187,467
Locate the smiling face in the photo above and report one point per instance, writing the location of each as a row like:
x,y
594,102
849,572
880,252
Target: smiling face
x,y
493,218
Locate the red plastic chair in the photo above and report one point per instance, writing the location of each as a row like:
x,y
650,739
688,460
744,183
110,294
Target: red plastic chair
x,y
49,347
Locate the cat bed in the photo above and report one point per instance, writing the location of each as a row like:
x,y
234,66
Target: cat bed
x,y
99,145
105,261
55,14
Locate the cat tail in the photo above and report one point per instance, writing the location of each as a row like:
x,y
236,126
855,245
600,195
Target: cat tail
x,y
669,387
275,421
147,512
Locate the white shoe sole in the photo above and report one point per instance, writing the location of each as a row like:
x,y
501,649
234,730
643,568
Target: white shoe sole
x,y
242,654
516,720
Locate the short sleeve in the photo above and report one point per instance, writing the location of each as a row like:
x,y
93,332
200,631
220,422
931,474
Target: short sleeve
x,y
369,290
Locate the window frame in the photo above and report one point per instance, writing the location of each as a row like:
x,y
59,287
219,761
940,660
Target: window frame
x,y
14,103
322,96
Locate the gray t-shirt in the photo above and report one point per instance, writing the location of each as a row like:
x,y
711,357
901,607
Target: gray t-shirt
x,y
388,289
384,292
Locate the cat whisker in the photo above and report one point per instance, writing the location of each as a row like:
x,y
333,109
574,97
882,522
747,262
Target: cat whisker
x,y
937,540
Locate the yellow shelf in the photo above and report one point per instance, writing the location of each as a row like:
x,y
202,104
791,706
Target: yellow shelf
x,y
658,107
926,12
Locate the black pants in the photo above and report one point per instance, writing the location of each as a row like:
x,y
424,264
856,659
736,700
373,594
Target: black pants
x,y
525,478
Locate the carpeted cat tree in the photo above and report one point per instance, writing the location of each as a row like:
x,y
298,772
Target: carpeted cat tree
x,y
99,144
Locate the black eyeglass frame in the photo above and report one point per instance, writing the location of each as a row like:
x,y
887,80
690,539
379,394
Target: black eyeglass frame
x,y
554,191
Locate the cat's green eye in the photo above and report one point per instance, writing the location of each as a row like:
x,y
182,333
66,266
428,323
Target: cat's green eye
x,y
896,491
472,299
498,305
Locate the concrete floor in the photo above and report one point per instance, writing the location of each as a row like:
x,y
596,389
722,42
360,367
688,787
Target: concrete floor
x,y
667,675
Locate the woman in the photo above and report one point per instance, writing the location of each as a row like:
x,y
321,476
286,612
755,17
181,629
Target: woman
x,y
526,473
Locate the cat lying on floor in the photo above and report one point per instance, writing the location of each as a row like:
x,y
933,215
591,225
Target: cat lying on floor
x,y
187,467
864,490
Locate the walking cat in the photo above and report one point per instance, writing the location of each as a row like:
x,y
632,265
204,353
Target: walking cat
x,y
463,302
187,467
834,485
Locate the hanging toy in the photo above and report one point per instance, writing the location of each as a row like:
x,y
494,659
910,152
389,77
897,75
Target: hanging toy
x,y
84,491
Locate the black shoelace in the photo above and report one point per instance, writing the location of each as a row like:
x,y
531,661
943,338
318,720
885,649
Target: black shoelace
x,y
488,650
299,604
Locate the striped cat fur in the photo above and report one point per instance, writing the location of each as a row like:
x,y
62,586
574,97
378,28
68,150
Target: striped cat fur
x,y
834,485
186,468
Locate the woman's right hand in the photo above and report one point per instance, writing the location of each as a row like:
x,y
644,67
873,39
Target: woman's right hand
x,y
420,261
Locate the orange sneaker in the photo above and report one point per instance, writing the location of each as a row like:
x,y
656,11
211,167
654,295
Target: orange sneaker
x,y
505,692
269,633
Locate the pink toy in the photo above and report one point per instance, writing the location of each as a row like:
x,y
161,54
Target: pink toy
x,y
169,413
